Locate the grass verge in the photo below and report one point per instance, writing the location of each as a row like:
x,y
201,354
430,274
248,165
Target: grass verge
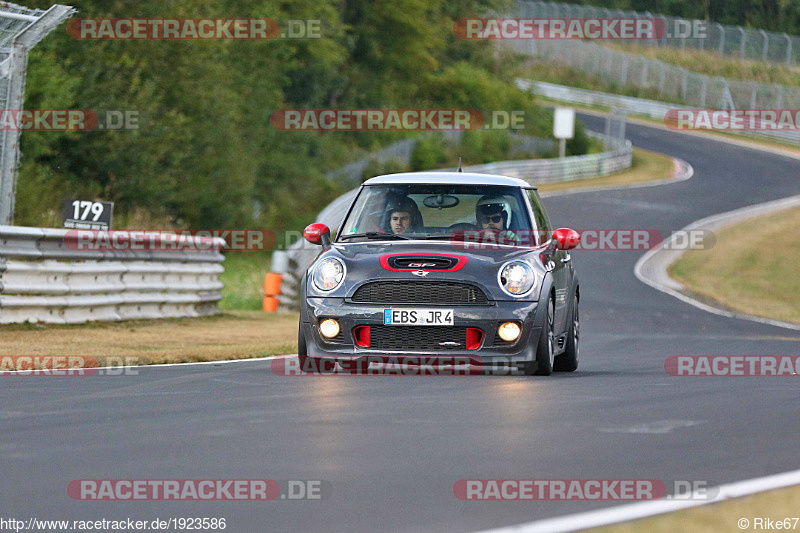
x,y
231,335
724,516
752,268
711,63
646,166
244,279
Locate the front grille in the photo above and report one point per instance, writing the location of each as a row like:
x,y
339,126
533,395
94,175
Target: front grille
x,y
420,292
430,263
417,337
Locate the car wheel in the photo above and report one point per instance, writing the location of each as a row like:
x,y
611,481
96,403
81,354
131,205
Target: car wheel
x,y
568,361
546,345
302,349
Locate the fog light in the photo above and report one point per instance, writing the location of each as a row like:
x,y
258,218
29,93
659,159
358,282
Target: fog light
x,y
329,328
509,331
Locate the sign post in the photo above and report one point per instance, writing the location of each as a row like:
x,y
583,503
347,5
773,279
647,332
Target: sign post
x,y
563,127
83,214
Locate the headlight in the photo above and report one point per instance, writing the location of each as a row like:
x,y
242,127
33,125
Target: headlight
x,y
516,278
329,328
328,274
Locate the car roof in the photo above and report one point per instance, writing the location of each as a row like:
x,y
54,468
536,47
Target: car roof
x,y
447,178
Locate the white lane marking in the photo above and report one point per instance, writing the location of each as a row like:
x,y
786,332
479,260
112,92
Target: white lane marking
x,y
655,274
161,365
657,427
634,511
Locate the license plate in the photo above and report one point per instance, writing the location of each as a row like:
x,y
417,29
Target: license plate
x,y
418,317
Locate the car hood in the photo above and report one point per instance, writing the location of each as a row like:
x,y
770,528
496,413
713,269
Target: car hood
x,y
369,261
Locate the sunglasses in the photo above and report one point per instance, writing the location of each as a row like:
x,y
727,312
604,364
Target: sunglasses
x,y
493,218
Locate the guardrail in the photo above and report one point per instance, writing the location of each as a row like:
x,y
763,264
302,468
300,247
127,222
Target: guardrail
x,y
300,255
566,169
639,106
44,279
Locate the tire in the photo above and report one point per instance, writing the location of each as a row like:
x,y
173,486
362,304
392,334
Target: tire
x,y
302,349
312,365
568,361
546,345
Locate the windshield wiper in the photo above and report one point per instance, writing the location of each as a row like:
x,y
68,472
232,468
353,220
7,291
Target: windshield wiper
x,y
447,236
374,235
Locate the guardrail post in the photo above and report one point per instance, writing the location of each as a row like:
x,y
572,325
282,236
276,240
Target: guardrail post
x,y
624,71
645,68
703,91
684,81
744,40
788,49
721,39
765,45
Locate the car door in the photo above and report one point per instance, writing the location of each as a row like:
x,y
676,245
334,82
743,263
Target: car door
x,y
560,265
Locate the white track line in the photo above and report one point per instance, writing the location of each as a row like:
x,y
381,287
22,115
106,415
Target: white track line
x,y
651,268
634,511
158,365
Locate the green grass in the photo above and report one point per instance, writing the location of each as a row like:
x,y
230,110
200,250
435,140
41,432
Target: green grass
x,y
752,268
244,279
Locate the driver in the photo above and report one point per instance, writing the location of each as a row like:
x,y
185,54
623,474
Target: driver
x,y
403,216
493,212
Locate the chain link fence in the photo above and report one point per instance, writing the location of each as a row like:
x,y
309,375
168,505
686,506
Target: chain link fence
x,y
734,41
669,82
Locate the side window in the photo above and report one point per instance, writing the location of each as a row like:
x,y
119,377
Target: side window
x,y
542,223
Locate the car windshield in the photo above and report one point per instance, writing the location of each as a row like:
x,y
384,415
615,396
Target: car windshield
x,y
431,211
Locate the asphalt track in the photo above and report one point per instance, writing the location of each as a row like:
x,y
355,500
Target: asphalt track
x,y
393,447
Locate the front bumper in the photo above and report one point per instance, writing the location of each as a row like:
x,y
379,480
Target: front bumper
x,y
485,317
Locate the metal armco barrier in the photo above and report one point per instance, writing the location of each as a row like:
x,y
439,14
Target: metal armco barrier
x,y
44,280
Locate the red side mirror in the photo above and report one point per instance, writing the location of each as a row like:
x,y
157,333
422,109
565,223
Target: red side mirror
x,y
317,233
567,238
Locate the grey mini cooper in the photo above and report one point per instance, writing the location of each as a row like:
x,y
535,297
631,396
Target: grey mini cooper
x,y
441,263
